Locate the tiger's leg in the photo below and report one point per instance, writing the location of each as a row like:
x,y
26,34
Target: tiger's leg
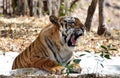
x,y
49,65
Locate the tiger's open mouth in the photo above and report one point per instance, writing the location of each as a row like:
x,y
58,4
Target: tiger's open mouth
x,y
73,39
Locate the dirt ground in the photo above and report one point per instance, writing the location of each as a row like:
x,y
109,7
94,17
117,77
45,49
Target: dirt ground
x,y
17,33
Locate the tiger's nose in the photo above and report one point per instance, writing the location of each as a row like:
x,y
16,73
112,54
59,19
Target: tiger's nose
x,y
79,32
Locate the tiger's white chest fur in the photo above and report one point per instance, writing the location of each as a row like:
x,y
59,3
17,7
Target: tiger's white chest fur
x,y
63,55
66,54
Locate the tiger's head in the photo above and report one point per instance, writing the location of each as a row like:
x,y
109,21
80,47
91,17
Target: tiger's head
x,y
71,29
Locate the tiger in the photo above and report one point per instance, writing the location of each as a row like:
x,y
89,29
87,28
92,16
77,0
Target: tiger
x,y
53,46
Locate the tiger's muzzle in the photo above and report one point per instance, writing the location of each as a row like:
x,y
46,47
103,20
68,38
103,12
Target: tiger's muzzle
x,y
74,36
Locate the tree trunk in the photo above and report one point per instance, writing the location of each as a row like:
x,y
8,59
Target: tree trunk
x,y
73,3
40,8
4,6
54,6
101,28
14,4
90,13
19,7
9,7
30,2
25,7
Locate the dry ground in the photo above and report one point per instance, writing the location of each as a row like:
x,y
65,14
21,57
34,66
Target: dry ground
x,y
17,33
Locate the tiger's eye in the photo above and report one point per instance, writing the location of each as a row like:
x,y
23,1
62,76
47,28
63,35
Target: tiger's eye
x,y
73,23
65,21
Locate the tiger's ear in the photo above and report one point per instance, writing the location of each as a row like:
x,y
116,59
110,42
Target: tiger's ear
x,y
54,20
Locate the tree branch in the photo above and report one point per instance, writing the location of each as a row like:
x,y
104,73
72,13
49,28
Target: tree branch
x,y
90,13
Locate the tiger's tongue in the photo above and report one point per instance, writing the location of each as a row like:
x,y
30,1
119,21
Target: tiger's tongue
x,y
73,40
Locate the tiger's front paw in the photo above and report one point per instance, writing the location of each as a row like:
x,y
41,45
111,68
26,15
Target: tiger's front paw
x,y
74,68
58,70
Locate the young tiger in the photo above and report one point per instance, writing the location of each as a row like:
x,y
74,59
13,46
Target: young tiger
x,y
53,46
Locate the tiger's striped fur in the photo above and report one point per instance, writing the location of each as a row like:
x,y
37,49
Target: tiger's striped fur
x,y
52,46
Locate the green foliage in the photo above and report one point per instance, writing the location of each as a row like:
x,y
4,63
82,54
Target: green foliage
x,y
71,66
70,9
107,56
109,20
104,47
76,61
82,55
101,65
1,15
105,51
62,10
87,51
